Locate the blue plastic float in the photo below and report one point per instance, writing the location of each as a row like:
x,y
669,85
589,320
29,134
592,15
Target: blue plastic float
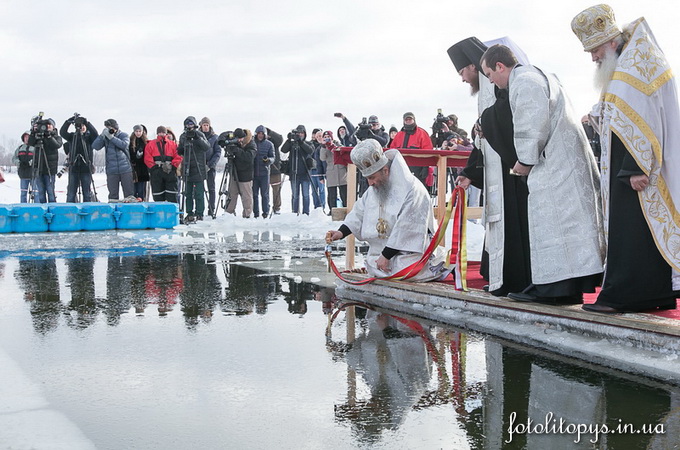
x,y
41,217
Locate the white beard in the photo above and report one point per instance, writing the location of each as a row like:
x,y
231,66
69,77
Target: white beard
x,y
605,70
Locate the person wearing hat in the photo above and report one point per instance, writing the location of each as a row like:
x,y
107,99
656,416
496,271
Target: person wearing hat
x,y
213,158
242,156
537,126
78,148
23,159
264,158
138,141
505,259
300,151
118,166
394,215
336,174
46,143
193,147
412,136
638,119
162,159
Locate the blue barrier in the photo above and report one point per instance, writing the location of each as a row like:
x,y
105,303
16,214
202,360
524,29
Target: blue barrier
x,y
41,217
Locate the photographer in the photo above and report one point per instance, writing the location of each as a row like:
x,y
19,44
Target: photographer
x,y
212,157
275,170
264,158
318,173
138,142
336,174
242,156
23,158
118,167
46,141
193,147
300,151
443,126
162,159
78,149
367,129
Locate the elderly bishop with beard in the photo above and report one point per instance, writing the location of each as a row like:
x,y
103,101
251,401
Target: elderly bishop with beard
x,y
394,216
639,125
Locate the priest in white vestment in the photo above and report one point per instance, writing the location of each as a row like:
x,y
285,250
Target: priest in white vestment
x,y
553,155
639,124
394,216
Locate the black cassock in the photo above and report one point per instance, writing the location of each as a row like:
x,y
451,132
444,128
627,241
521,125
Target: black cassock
x,y
498,131
636,277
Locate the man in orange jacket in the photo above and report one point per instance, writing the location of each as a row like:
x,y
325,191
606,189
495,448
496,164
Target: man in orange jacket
x,y
412,136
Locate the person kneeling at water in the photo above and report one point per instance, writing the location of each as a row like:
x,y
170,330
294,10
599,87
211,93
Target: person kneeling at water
x,y
394,216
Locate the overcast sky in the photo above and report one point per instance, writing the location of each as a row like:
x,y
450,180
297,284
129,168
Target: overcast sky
x,y
277,63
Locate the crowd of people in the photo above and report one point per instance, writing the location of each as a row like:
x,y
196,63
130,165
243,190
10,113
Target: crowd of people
x,y
185,169
555,227
559,223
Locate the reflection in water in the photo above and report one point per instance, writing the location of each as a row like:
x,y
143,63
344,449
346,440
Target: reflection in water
x,y
397,367
201,290
81,312
40,282
401,379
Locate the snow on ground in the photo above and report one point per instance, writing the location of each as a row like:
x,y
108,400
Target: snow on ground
x,y
226,229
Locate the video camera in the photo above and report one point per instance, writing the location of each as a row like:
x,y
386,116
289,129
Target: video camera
x,y
364,125
190,132
78,121
39,126
439,121
228,142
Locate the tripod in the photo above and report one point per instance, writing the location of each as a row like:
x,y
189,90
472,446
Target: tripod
x,y
228,174
183,179
83,157
39,158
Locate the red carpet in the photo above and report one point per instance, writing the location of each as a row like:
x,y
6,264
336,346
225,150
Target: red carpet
x,y
475,281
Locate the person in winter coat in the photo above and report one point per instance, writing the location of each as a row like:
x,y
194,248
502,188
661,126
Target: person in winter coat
x,y
212,157
264,158
138,142
162,159
78,148
318,173
118,165
336,174
300,151
275,171
23,159
193,147
242,156
412,136
46,158
344,137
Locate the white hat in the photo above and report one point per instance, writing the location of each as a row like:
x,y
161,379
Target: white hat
x,y
595,26
369,157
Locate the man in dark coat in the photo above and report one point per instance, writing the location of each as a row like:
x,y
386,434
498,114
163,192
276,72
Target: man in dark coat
x,y
78,148
275,171
212,158
242,156
300,150
193,147
46,141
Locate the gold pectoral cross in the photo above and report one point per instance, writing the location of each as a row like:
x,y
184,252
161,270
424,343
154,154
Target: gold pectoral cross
x,y
382,227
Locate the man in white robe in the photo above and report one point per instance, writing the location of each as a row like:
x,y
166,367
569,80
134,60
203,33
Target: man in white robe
x,y
639,121
505,262
564,215
394,216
